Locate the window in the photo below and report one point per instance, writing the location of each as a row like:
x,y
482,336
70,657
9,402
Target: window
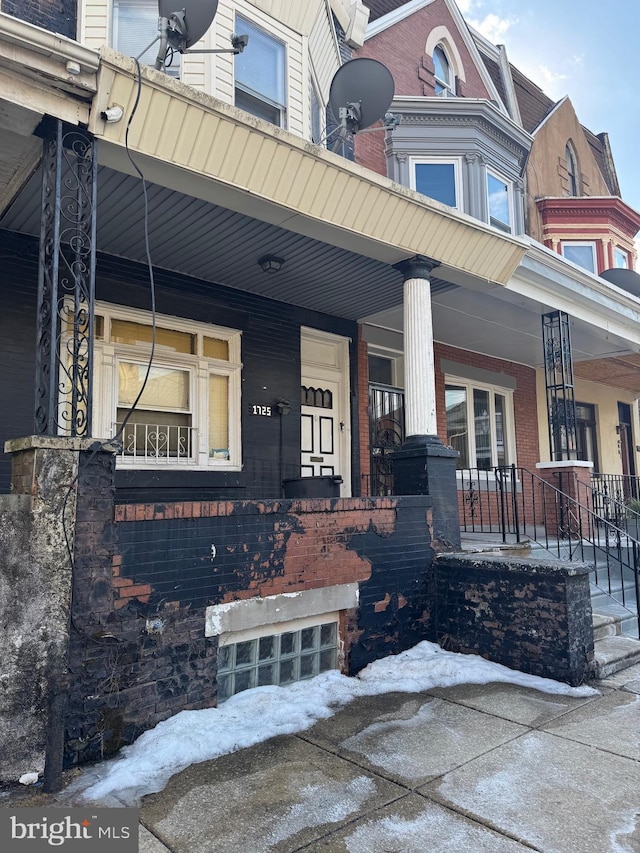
x,y
317,114
444,77
189,411
620,258
135,25
479,420
293,655
438,179
586,438
260,75
581,253
499,200
572,170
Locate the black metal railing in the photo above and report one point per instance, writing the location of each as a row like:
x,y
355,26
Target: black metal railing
x,y
574,521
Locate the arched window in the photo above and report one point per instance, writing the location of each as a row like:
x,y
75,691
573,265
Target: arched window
x,y
572,170
444,76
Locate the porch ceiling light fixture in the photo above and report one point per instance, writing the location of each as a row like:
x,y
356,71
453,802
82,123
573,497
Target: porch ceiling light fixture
x,y
271,263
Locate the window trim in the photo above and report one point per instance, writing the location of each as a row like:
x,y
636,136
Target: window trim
x,y
505,227
508,427
173,70
619,251
448,87
243,21
594,253
108,354
456,162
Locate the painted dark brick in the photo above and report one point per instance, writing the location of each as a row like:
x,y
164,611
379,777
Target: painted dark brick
x,y
534,616
59,16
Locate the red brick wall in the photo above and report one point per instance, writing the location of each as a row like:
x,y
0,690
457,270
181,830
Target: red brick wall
x,y
401,49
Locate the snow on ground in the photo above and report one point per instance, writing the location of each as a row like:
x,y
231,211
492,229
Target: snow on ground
x,y
256,715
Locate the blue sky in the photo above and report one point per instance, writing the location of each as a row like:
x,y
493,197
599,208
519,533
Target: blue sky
x,y
581,48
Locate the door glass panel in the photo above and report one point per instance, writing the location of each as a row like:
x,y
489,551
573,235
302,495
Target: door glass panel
x,y
457,427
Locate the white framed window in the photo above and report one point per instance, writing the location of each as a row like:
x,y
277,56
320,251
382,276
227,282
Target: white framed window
x,y
189,412
445,84
277,654
580,252
134,27
500,202
260,74
438,178
620,258
480,424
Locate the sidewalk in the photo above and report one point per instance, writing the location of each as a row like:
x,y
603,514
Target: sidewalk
x,y
494,768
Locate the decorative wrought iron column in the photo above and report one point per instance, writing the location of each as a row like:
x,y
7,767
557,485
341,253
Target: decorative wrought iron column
x,y
558,372
66,282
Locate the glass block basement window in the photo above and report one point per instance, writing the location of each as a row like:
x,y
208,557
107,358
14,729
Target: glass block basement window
x,y
276,659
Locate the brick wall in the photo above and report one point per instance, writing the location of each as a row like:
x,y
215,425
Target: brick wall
x,y
534,616
401,49
58,16
143,583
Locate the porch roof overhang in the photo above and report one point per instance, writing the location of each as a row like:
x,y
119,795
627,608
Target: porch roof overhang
x,y
205,149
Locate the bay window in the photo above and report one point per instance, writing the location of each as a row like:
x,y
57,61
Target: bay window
x,y
187,403
438,179
479,424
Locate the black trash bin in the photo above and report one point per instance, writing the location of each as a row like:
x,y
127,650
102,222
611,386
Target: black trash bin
x,y
312,487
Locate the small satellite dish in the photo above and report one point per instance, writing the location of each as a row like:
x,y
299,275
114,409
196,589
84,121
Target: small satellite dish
x,y
188,23
625,279
361,93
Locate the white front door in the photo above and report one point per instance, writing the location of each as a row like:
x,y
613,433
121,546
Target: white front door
x,y
325,405
320,428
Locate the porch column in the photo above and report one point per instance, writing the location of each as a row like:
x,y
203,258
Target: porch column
x,y
423,465
66,282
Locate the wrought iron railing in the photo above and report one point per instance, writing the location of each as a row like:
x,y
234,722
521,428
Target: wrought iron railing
x,y
576,521
157,442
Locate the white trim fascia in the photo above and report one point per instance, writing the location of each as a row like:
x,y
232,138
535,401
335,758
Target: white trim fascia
x,y
394,17
547,277
48,44
465,32
555,107
507,79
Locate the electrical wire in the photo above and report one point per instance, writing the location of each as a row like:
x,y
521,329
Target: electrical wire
x,y
118,435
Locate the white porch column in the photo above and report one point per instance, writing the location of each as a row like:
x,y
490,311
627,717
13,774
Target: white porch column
x,y
423,465
420,389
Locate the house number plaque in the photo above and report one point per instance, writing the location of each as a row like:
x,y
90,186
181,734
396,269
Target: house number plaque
x,y
264,411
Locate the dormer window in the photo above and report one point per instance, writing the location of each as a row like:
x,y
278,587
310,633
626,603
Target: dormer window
x,y
443,73
572,170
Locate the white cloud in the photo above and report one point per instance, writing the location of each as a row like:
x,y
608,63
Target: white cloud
x,y
492,27
551,80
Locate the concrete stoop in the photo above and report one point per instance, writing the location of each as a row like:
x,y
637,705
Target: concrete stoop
x,y
614,653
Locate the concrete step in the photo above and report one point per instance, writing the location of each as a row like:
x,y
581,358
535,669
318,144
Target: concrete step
x,y
605,625
614,653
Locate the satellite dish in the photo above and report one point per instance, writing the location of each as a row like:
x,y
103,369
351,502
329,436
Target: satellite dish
x,y
361,93
187,24
626,279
